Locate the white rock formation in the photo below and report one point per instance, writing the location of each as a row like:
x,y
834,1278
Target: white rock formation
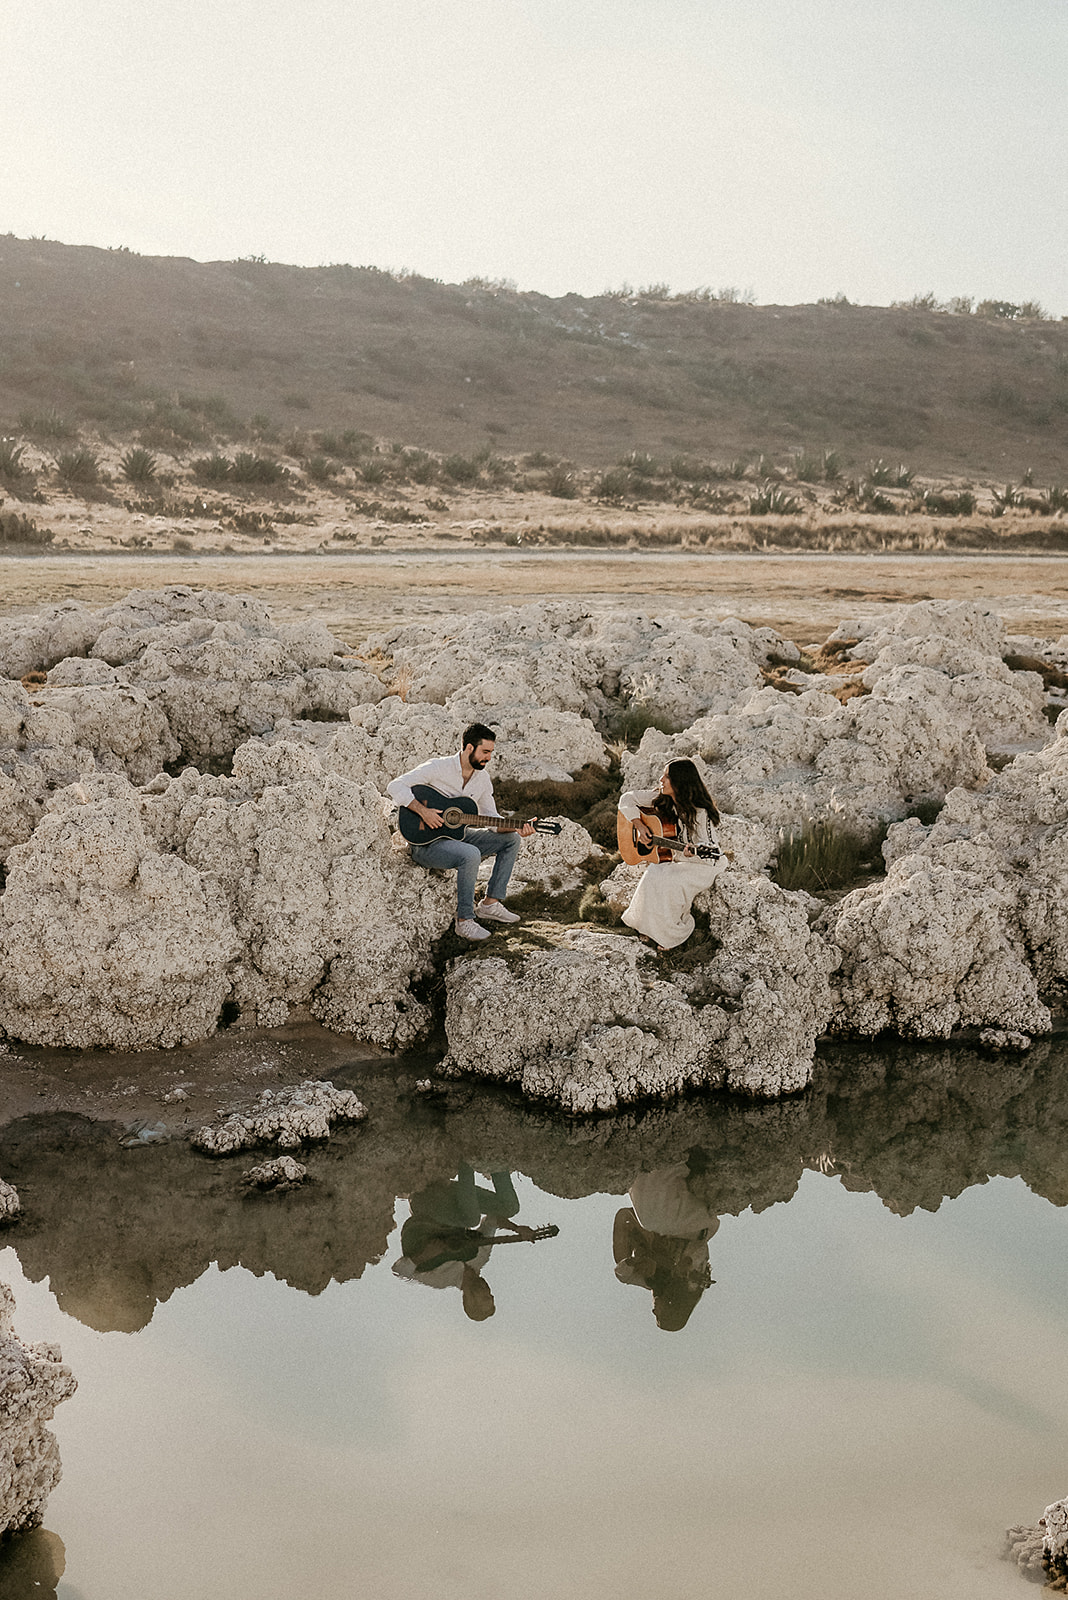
x,y
33,1381
286,1117
561,656
281,1173
328,911
555,862
951,652
589,1026
585,1026
392,736
787,759
104,941
38,754
930,948
214,665
1012,839
10,1205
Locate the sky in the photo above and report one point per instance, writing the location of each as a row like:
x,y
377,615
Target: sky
x,y
796,148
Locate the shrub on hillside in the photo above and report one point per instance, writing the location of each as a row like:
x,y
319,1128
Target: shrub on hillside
x,y
11,459
139,465
79,466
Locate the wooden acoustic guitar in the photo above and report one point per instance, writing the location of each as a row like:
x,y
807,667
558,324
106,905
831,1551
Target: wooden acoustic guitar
x,y
665,846
457,813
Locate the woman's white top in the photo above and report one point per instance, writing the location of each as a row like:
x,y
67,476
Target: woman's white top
x,y
633,800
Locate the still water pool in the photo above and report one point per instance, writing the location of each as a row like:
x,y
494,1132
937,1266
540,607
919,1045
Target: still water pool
x,y
871,1389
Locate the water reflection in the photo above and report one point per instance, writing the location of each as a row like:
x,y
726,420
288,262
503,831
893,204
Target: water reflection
x,y
118,1230
453,1227
660,1242
31,1565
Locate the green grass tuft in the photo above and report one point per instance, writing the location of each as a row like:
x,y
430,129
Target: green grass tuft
x,y
823,854
79,466
11,459
139,465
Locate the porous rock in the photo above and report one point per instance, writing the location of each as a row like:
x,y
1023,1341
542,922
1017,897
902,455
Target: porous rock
x,y
786,760
392,736
590,1026
10,1205
281,1173
286,1117
555,862
930,948
584,1025
103,940
33,1381
1013,838
562,656
328,911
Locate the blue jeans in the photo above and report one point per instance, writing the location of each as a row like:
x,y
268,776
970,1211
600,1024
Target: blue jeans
x,y
465,855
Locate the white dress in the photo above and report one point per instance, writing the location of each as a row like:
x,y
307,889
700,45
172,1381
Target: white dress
x,y
661,904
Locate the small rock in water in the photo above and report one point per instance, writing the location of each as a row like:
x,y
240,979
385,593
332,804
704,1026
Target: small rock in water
x,y
9,1201
1005,1039
281,1173
146,1133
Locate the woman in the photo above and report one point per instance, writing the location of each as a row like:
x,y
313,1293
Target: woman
x,y
660,910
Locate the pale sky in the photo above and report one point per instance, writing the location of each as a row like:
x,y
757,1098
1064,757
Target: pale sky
x,y
880,148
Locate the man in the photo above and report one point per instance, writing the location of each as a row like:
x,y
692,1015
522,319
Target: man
x,y
465,774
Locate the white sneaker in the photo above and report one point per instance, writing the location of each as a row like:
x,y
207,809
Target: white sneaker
x,y
495,911
469,929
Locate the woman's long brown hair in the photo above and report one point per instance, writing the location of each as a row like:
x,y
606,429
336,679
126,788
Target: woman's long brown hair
x,y
691,795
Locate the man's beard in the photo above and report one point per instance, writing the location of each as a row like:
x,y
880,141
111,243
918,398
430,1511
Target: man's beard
x,y
477,765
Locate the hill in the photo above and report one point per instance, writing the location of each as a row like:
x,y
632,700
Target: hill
x,y
179,353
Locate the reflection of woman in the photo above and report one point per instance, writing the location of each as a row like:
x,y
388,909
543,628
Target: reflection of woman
x,y
660,909
452,1229
660,1242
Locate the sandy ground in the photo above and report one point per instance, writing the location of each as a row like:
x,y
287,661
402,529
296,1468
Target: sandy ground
x,y
804,596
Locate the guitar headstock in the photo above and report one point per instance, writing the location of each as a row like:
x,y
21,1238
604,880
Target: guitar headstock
x,y
555,828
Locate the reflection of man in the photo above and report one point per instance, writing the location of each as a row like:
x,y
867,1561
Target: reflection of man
x,y
660,1242
452,1229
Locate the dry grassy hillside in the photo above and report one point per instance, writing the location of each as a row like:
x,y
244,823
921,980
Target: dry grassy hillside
x,y
179,353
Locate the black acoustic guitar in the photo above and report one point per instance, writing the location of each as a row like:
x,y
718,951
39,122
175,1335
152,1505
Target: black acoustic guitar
x,y
457,812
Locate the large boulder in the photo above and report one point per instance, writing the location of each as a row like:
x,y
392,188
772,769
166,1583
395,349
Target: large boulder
x,y
786,760
103,940
33,1381
387,738
39,754
328,910
929,949
590,1026
563,657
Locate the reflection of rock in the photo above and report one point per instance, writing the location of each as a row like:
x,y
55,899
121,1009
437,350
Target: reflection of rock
x,y
118,1230
31,1565
33,1381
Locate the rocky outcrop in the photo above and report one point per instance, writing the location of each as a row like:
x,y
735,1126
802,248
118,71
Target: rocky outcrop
x,y
392,736
562,656
103,940
787,760
286,1117
33,1381
591,1025
970,925
327,910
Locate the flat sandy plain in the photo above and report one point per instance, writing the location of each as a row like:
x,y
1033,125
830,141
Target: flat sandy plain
x,y
804,596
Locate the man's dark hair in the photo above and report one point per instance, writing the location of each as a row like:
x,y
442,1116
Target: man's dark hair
x,y
475,734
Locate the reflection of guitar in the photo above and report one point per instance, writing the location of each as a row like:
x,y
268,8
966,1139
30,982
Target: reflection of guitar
x,y
457,813
664,845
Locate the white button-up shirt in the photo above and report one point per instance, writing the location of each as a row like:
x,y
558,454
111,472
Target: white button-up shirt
x,y
445,774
